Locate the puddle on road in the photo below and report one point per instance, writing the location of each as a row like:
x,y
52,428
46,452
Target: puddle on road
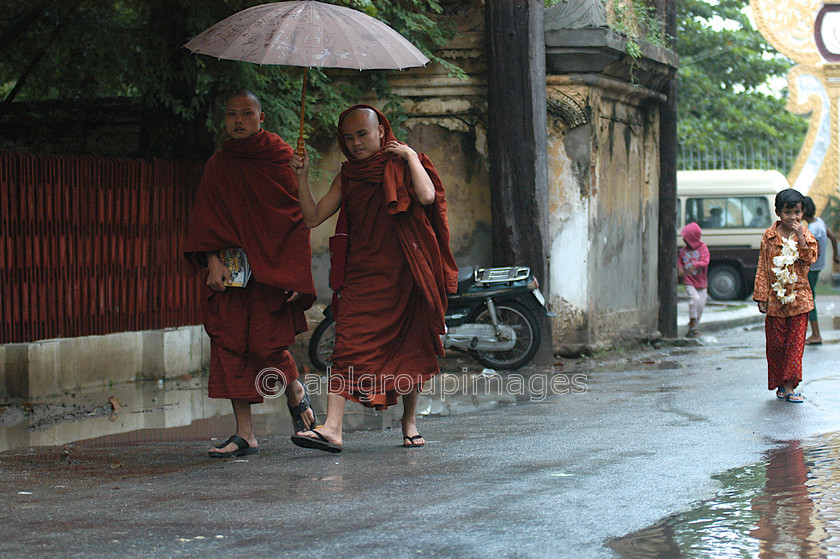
x,y
165,411
180,410
786,506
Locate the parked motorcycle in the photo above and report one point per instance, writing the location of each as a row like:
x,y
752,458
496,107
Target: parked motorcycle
x,y
493,317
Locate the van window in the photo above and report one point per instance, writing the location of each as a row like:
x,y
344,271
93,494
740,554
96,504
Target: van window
x,y
731,212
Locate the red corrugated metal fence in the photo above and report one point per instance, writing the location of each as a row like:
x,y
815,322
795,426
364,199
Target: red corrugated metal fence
x,y
93,246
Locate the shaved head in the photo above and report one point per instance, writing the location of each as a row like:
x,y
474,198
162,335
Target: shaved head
x,y
362,115
245,92
361,133
243,114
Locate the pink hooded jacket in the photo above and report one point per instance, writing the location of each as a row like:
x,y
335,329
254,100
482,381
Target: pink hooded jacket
x,y
694,255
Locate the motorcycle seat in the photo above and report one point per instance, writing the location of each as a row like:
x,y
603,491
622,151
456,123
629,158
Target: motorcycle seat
x,y
466,277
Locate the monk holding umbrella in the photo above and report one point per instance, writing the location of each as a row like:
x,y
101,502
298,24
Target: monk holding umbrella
x,y
392,280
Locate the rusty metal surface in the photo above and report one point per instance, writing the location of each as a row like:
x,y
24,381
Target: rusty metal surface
x,y
93,246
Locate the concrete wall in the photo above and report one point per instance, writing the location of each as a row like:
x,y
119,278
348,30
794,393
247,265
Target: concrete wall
x,y
50,367
624,219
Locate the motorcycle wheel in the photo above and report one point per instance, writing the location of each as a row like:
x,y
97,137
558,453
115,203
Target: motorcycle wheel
x,y
527,328
322,343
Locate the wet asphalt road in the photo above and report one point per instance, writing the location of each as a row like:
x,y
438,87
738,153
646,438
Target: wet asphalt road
x,y
556,478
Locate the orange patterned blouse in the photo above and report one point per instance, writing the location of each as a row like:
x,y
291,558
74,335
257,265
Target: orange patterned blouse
x,y
771,246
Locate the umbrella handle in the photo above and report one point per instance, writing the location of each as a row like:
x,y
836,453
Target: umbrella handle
x,y
301,148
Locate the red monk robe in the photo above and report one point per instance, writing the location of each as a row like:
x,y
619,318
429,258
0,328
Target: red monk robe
x,y
248,198
390,309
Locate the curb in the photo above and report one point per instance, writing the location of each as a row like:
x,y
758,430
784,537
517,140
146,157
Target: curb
x,y
734,322
716,321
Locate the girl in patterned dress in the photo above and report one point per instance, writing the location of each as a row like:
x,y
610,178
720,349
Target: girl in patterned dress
x,y
782,291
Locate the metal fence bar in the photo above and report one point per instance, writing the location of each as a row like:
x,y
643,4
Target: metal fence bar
x,y
93,246
744,157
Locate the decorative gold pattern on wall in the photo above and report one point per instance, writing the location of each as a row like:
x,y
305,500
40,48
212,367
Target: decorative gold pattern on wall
x,y
814,86
789,26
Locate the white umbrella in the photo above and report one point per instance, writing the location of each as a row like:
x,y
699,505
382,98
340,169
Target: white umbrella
x,y
310,34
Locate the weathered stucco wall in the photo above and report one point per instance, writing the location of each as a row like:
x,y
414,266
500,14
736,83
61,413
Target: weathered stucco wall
x,y
570,169
603,192
623,216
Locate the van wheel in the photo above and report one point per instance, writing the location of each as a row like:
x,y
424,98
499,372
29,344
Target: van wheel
x,y
726,283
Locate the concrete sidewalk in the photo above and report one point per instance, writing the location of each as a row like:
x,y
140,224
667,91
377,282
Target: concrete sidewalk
x,y
719,315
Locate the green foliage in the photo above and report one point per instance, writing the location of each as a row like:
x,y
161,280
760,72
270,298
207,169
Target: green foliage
x,y
651,23
134,48
723,99
637,21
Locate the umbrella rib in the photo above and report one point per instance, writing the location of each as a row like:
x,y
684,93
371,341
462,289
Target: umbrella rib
x,y
394,61
367,66
254,17
287,15
340,29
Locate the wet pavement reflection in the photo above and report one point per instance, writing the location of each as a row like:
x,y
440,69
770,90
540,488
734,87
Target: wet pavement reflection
x,y
180,410
162,411
785,506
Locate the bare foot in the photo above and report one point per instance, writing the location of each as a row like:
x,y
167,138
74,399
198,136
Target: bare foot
x,y
416,440
791,395
813,340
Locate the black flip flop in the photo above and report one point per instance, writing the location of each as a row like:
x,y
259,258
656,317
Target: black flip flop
x,y
297,412
408,442
321,443
243,450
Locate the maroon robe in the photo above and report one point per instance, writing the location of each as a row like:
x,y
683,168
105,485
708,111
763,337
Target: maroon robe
x,y
391,305
248,198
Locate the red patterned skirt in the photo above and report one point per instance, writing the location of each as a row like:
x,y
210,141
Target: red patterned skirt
x,y
785,345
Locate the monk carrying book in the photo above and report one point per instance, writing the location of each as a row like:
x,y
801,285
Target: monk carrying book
x,y
248,202
391,268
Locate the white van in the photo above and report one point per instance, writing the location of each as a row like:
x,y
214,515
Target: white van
x,y
733,208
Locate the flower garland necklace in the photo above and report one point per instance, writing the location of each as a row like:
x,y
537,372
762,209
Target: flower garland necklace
x,y
783,269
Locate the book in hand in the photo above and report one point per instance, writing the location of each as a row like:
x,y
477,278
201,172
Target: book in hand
x,y
236,262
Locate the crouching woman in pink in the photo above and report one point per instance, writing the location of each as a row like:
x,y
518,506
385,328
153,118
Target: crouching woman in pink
x,y
693,268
